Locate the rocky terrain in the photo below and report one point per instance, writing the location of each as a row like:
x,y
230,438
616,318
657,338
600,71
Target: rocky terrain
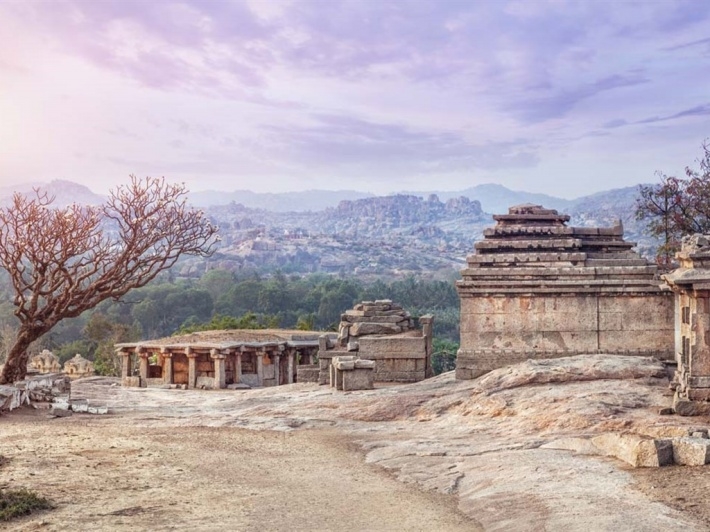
x,y
521,448
353,233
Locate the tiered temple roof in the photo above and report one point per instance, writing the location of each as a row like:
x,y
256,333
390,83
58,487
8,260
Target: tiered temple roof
x,y
531,249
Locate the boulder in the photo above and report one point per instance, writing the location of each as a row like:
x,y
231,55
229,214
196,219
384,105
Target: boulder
x,y
12,397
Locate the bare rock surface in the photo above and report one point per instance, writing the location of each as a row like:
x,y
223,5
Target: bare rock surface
x,y
514,448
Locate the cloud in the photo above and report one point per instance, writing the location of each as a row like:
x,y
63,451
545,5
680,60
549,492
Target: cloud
x,y
559,104
698,110
346,142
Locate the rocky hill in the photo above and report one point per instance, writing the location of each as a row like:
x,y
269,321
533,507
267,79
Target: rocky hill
x,y
370,236
64,192
391,235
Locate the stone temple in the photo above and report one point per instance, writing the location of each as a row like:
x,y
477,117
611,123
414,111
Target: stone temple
x,y
691,285
536,288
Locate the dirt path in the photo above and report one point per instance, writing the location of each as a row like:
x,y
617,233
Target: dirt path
x,y
107,474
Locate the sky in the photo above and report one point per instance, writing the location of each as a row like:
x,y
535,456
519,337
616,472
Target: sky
x,y
562,97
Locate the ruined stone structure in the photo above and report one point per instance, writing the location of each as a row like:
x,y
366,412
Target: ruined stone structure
x,y
45,362
201,360
383,332
536,288
691,285
78,367
348,373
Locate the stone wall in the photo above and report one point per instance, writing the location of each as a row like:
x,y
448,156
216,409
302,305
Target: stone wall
x,y
538,289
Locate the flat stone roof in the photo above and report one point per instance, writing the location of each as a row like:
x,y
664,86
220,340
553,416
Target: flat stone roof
x,y
228,339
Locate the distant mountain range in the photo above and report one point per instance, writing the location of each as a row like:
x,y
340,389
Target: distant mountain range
x,y
493,198
63,192
351,232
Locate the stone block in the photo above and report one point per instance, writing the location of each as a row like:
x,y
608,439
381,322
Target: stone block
x,y
205,383
80,405
132,382
60,412
12,397
684,407
307,373
635,450
361,329
252,379
238,386
691,451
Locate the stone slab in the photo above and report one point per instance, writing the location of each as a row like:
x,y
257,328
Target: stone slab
x,y
691,451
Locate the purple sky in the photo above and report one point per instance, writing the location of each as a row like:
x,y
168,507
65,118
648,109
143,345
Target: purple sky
x,y
553,96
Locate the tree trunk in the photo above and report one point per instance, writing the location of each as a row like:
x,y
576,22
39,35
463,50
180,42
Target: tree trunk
x,y
16,364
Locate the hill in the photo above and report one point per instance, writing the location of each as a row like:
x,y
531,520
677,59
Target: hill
x,y
349,232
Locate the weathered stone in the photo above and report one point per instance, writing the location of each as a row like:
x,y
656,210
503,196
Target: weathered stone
x,y
362,329
635,450
691,408
98,410
703,435
666,411
308,373
691,451
12,397
79,405
60,412
132,382
536,288
691,285
205,383
238,386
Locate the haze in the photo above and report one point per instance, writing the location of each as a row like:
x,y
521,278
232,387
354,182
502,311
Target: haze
x,y
560,97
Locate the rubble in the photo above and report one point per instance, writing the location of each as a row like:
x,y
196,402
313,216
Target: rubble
x,y
381,331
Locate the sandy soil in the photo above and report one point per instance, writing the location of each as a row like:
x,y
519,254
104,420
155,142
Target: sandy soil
x,y
508,451
682,488
105,474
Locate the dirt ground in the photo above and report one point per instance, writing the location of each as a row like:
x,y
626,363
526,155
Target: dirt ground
x,y
509,451
103,473
682,488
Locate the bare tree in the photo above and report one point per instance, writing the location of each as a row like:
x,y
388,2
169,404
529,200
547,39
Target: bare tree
x,y
676,206
63,261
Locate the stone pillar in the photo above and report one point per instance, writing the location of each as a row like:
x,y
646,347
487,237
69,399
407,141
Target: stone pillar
x,y
125,363
291,356
220,380
237,367
191,367
143,366
427,323
167,365
260,367
277,368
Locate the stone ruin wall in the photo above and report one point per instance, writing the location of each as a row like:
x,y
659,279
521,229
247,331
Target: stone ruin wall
x,y
536,289
384,332
691,285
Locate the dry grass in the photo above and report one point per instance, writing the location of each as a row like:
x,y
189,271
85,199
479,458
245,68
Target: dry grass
x,y
17,503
